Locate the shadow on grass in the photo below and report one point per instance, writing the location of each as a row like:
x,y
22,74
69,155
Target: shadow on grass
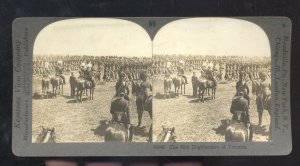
x,y
140,131
261,130
197,100
67,97
162,96
222,128
190,96
75,101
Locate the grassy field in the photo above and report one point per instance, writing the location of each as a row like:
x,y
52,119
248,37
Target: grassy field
x,y
193,121
201,122
81,122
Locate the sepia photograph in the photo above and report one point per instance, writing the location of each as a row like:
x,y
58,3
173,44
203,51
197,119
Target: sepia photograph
x,y
92,82
211,81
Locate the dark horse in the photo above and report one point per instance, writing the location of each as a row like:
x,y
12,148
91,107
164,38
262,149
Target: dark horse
x,y
83,85
45,85
213,86
262,104
202,86
167,86
179,83
166,135
89,86
47,135
117,131
57,82
237,131
141,104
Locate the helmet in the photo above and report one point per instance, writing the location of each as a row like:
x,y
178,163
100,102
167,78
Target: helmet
x,y
82,65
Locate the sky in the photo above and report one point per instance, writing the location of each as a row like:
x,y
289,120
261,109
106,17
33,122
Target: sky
x,y
192,36
212,36
93,36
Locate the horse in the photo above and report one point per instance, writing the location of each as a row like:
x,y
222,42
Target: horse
x,y
179,82
261,105
237,131
117,131
46,135
167,86
141,104
89,86
80,87
213,86
135,88
45,85
202,86
57,82
166,135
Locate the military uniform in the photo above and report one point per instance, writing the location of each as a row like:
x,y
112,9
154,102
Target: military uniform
x,y
181,73
238,104
119,104
59,72
242,86
121,87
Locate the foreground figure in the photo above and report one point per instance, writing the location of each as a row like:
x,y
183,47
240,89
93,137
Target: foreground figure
x,y
239,129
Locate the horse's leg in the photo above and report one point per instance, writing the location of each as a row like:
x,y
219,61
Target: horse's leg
x,y
215,93
181,88
81,96
91,94
62,89
140,115
260,114
199,93
77,95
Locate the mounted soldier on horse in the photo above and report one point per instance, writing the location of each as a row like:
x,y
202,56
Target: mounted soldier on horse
x,y
120,128
59,71
240,128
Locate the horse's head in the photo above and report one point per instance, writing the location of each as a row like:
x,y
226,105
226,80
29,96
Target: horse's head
x,y
52,135
46,135
167,135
